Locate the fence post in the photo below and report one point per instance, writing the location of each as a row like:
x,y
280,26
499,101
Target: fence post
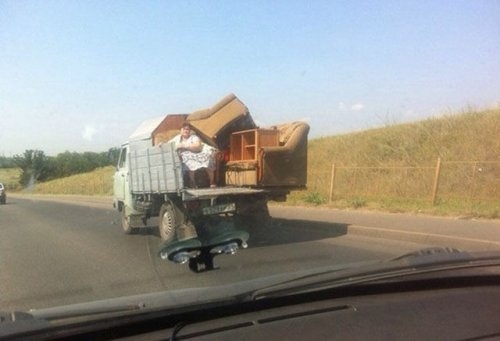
x,y
332,183
473,183
436,181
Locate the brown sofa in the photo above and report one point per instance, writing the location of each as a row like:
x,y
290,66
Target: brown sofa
x,y
282,165
286,164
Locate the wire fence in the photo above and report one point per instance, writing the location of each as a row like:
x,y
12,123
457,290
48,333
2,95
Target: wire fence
x,y
462,180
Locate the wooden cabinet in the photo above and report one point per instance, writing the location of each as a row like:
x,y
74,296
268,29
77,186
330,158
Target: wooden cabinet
x,y
243,168
245,145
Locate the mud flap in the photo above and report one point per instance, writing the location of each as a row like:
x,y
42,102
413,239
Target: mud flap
x,y
180,251
201,255
226,243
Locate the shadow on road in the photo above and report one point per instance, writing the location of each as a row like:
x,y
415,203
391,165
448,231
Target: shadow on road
x,y
284,231
278,231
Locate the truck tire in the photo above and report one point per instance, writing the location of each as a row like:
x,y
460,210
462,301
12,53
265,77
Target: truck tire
x,y
168,222
126,225
253,212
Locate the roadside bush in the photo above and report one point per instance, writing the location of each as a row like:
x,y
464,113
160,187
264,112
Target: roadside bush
x,y
357,202
314,198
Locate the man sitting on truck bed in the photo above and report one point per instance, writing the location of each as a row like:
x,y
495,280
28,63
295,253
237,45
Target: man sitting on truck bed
x,y
194,155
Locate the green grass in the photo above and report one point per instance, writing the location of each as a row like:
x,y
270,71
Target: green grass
x,y
10,178
314,198
97,182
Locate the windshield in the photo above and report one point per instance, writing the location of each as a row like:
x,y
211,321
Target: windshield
x,y
149,147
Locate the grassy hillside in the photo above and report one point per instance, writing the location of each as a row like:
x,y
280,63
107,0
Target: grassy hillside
x,y
97,182
10,178
408,155
468,136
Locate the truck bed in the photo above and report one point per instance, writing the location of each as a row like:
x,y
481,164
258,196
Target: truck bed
x,y
207,193
155,169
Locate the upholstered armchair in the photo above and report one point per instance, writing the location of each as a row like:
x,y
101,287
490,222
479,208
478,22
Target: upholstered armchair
x,y
286,164
215,125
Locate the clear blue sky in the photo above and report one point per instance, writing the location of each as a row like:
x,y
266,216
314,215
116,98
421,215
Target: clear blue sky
x,y
81,75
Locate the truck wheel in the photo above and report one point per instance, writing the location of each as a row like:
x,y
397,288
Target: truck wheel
x,y
167,222
127,227
253,213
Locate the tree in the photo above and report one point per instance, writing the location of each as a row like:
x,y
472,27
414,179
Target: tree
x,y
112,156
35,166
6,162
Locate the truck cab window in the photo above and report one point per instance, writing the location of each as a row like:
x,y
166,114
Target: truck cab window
x,y
123,158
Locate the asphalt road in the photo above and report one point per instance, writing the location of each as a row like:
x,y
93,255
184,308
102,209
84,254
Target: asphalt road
x,y
53,253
